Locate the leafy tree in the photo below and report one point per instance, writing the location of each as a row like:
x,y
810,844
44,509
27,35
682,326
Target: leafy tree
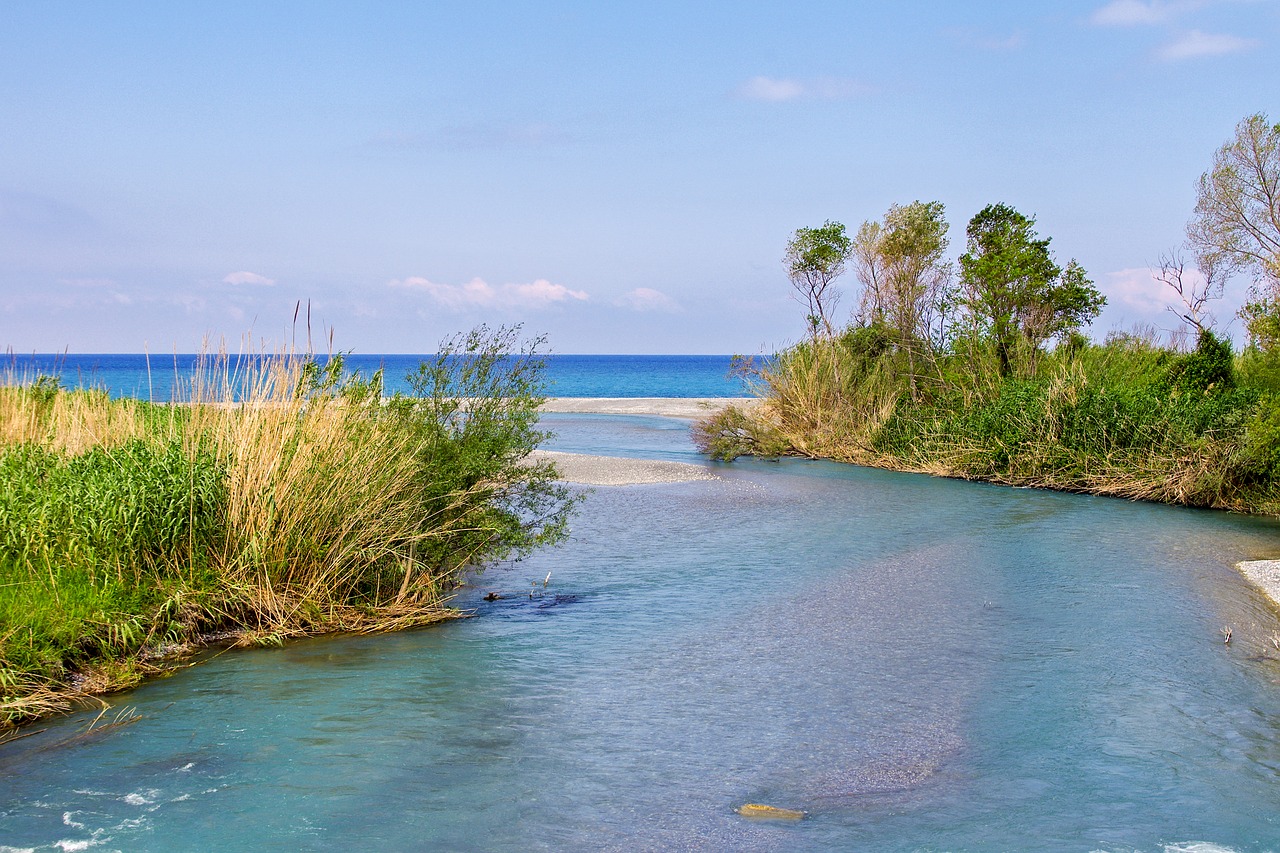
x,y
1015,289
815,258
900,264
1236,226
473,415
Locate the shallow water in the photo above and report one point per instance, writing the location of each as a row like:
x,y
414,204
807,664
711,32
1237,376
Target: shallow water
x,y
920,664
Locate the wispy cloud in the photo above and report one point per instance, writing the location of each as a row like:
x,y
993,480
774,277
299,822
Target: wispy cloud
x,y
478,293
778,90
647,299
1130,13
246,277
1137,289
1184,43
1195,44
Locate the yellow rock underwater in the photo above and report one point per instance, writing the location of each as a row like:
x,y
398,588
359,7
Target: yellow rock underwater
x,y
756,810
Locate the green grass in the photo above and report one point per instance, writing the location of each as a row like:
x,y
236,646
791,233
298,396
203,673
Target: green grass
x,y
1125,418
279,500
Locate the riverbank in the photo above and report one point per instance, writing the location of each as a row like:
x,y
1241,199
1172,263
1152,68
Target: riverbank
x,y
591,470
286,501
1265,575
1127,418
158,635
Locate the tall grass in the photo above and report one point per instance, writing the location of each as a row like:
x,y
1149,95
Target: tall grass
x,y
1127,418
277,498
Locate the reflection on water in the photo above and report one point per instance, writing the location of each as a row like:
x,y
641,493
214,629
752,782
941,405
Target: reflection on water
x,y
917,663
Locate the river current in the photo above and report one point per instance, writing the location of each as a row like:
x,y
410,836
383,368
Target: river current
x,y
917,663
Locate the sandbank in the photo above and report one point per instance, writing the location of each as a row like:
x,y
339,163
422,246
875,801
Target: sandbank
x,y
1265,575
667,407
616,471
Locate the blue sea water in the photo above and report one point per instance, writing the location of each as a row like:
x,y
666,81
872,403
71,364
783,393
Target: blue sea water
x,y
155,377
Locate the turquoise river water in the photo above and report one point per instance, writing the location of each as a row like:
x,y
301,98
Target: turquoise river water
x,y
917,663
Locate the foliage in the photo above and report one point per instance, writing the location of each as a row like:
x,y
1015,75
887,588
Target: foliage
x,y
1126,418
1236,226
814,259
1209,368
732,432
473,415
1015,290
904,278
285,497
1261,315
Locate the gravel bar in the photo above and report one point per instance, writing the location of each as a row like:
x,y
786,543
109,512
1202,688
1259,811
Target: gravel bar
x,y
616,471
667,407
1265,575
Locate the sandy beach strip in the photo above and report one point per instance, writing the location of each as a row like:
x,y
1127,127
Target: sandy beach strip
x,y
591,470
689,408
1265,575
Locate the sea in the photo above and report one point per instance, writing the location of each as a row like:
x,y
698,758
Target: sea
x,y
160,378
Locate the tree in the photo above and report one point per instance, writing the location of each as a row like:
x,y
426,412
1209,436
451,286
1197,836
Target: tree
x,y
815,258
1014,288
1236,226
1193,291
902,272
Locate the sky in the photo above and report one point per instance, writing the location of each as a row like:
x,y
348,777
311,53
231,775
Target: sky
x,y
621,177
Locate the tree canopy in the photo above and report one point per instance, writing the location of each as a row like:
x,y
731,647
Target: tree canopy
x,y
1237,216
1236,225
1015,289
815,258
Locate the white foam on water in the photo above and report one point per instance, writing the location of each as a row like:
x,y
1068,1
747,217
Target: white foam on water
x,y
4,848
67,821
72,846
1197,847
142,798
186,767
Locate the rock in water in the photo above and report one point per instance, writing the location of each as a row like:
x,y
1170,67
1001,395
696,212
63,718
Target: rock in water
x,y
756,810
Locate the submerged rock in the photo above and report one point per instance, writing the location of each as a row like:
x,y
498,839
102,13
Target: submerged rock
x,y
763,812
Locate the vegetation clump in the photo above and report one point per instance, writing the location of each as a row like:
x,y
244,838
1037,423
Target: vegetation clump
x,y
983,372
282,497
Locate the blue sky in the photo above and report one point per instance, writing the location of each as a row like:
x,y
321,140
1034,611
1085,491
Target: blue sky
x,y
623,178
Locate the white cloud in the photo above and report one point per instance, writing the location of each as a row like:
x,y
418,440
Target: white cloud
x,y
543,291
1195,44
768,89
478,293
647,299
1128,13
791,89
244,277
1139,291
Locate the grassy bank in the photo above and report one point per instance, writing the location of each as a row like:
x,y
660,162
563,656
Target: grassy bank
x,y
280,499
1128,417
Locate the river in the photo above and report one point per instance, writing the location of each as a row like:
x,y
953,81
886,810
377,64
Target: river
x,y
917,663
